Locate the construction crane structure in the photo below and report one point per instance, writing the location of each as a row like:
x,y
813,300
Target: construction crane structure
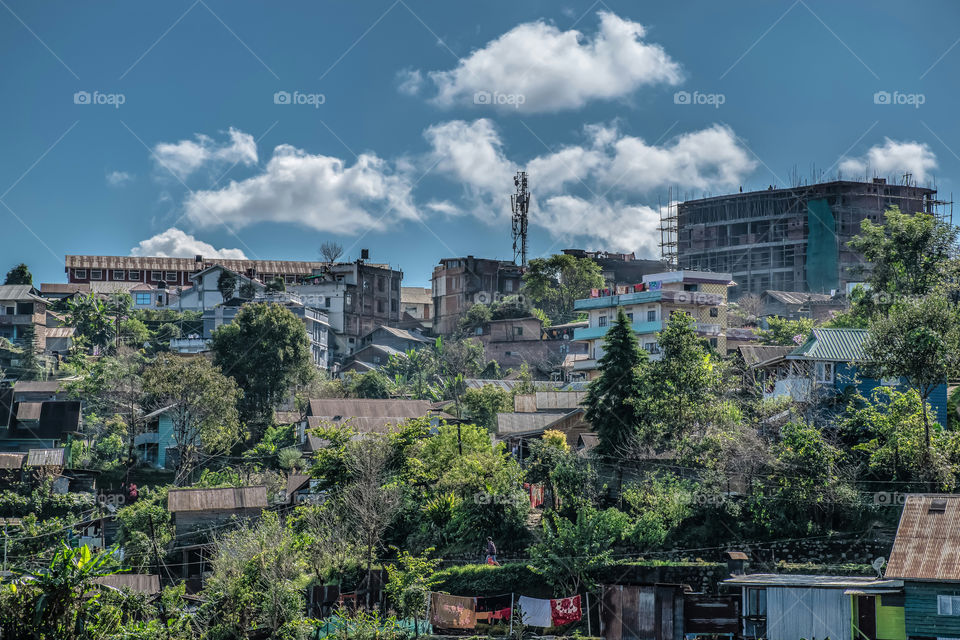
x,y
520,205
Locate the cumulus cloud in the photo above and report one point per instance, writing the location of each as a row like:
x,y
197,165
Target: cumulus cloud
x,y
316,191
118,178
553,70
185,157
571,185
893,157
174,243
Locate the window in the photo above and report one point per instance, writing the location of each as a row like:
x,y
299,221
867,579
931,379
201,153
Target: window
x,y
156,276
96,274
690,287
326,302
651,347
602,321
143,299
756,604
10,311
79,273
379,306
119,274
290,279
652,315
630,316
348,300
948,605
714,312
393,305
508,286
134,275
170,276
380,285
518,331
714,342
824,371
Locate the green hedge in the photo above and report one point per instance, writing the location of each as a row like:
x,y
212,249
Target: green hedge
x,y
488,580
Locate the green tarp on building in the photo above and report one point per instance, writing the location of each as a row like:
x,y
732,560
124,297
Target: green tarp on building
x,y
822,257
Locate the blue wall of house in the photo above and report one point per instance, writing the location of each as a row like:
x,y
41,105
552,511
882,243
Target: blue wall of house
x,y
165,439
920,610
847,375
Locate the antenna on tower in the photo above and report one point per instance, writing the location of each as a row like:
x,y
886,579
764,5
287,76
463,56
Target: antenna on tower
x,y
520,204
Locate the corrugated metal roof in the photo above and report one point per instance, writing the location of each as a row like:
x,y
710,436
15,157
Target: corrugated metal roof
x,y
149,263
29,410
754,354
286,417
19,292
12,460
226,498
50,386
45,457
361,408
61,332
403,334
815,581
57,287
525,403
927,545
140,582
380,424
555,400
797,297
842,345
515,423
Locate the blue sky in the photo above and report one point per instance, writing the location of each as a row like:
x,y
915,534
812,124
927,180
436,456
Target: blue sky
x,y
165,128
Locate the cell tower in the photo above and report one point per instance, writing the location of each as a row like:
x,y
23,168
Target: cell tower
x,y
520,204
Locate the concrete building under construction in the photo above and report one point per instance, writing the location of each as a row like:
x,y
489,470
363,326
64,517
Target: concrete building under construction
x,y
791,239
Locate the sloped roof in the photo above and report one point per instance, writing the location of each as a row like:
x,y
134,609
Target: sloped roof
x,y
813,581
36,386
46,457
227,498
295,482
754,354
61,332
363,408
416,295
29,410
146,583
286,417
12,460
19,292
518,423
797,297
403,334
57,287
842,345
150,263
554,400
927,546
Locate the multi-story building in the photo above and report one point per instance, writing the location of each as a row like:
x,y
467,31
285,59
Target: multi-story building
x,y
22,310
417,305
459,283
792,239
620,268
649,305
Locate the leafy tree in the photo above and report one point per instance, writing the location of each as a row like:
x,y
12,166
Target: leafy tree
x,y
30,365
371,384
20,274
202,404
908,255
918,341
553,284
134,332
612,398
545,456
275,285
145,529
781,331
475,317
571,552
411,578
485,403
267,351
226,284
90,316
328,542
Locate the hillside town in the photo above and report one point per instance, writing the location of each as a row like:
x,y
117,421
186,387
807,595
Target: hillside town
x,y
392,320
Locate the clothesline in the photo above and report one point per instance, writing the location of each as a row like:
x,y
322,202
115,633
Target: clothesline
x,y
463,612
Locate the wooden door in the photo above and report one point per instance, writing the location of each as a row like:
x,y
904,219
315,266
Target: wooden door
x,y
867,617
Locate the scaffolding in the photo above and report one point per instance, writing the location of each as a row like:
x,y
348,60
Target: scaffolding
x,y
668,232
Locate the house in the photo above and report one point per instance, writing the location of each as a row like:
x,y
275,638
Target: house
x,y
797,607
363,415
39,390
22,310
198,510
417,306
539,411
830,362
793,305
619,268
926,557
513,342
649,305
459,283
204,294
48,424
156,444
665,611
57,291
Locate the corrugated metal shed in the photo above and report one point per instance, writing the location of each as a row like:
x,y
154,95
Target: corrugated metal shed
x,y
927,546
227,498
45,457
841,345
146,583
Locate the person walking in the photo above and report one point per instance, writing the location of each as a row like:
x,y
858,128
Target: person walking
x,y
491,552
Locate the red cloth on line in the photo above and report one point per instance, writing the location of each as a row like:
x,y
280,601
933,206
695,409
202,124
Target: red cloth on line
x,y
565,610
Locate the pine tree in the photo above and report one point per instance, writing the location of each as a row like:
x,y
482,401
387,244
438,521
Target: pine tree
x,y
613,399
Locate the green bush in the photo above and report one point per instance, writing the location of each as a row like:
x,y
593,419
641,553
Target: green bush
x,y
488,580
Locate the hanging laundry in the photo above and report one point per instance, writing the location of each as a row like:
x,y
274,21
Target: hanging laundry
x,y
493,608
536,495
565,610
594,293
535,612
452,612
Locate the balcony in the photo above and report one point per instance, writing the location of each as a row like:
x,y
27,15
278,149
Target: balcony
x,y
605,302
22,318
150,437
640,328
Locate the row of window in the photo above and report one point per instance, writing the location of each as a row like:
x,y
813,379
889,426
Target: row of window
x,y
121,274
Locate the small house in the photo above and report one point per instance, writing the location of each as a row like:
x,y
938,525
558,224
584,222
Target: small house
x,y
796,607
156,442
926,557
202,509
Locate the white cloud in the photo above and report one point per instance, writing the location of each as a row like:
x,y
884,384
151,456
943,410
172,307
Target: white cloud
x,y
410,81
444,207
174,243
893,157
187,156
118,178
316,191
585,191
555,70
